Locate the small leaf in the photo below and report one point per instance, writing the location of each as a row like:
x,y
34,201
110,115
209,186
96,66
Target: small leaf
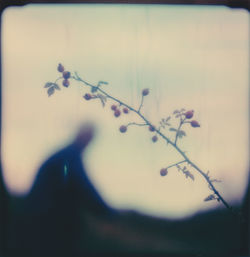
x,y
103,103
191,176
173,129
216,180
48,84
102,98
181,133
162,124
167,119
94,89
188,174
209,198
102,82
51,91
176,111
56,87
178,115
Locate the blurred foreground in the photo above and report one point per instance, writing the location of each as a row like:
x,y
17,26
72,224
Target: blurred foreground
x,y
63,215
214,233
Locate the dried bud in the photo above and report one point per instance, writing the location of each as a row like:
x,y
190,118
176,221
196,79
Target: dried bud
x,y
60,68
189,114
125,110
145,91
87,96
154,138
113,107
66,74
151,128
65,83
117,113
123,129
194,124
164,172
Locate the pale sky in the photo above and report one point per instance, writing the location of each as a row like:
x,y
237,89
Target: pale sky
x,y
189,57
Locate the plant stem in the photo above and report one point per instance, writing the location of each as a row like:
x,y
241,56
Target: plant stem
x,y
198,169
186,159
172,165
58,79
137,124
141,103
177,132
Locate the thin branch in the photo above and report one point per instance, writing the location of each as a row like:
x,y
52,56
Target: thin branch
x,y
182,121
197,168
186,159
142,99
172,165
58,79
137,124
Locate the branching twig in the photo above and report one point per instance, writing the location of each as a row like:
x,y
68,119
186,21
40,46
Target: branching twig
x,y
173,144
178,130
136,124
58,79
175,164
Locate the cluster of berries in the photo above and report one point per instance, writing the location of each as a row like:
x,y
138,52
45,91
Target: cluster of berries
x,y
117,111
152,129
65,74
189,115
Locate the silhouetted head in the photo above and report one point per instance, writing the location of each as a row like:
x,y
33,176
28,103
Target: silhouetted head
x,y
84,136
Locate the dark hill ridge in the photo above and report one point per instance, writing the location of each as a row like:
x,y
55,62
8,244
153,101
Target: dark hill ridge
x,y
216,233
63,215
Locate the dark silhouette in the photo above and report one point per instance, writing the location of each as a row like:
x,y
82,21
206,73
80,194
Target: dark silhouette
x,y
4,213
64,215
60,194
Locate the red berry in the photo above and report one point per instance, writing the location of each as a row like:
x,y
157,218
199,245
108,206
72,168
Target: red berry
x,y
194,124
151,128
123,129
117,113
154,138
60,68
113,107
145,91
65,83
66,74
189,114
87,96
125,110
164,172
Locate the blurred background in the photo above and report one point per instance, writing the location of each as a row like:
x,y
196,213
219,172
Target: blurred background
x,y
189,57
